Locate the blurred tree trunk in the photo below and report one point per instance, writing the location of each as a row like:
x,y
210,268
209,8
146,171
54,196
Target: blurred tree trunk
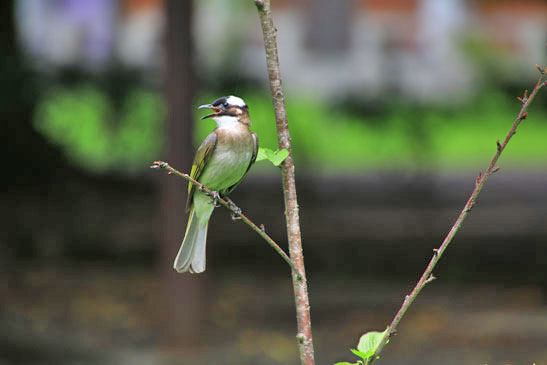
x,y
182,292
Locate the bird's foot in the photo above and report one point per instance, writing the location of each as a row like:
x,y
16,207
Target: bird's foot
x,y
236,211
216,197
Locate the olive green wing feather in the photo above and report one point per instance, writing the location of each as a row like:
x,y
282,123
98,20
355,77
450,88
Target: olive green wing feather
x,y
253,159
255,151
203,154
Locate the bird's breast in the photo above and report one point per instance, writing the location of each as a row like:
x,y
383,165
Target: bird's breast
x,y
230,159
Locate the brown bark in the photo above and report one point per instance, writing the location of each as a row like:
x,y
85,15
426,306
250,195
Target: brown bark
x,y
304,335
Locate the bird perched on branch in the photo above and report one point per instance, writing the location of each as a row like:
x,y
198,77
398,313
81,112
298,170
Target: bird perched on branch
x,y
220,164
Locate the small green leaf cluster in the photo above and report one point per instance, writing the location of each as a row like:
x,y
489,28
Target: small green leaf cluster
x,y
368,343
275,157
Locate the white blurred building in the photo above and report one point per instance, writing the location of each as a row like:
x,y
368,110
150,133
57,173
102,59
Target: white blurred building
x,y
363,48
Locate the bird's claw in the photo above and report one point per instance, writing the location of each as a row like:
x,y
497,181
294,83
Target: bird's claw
x,y
236,211
216,197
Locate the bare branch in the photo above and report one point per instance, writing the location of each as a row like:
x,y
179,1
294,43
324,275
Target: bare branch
x,y
304,336
479,184
236,211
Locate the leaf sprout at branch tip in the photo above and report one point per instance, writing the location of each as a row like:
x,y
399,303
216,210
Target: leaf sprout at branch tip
x,y
368,344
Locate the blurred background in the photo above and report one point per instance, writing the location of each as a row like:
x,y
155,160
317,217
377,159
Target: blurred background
x,y
394,106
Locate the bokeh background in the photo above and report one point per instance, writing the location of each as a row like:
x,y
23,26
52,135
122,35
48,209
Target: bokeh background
x,y
393,105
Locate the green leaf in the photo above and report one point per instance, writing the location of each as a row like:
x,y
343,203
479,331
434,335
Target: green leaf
x,y
361,354
275,157
261,155
279,156
368,343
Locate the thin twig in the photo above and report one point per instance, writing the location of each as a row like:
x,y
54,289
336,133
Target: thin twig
x,y
303,318
236,211
427,276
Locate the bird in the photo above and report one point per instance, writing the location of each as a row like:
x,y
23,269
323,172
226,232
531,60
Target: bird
x,y
220,163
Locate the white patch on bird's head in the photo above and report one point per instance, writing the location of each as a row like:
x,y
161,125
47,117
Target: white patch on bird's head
x,y
226,121
234,100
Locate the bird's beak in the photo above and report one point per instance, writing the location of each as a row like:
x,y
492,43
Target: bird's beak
x,y
209,106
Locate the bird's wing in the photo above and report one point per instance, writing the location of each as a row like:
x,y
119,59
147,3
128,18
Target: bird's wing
x,y
200,160
255,151
253,159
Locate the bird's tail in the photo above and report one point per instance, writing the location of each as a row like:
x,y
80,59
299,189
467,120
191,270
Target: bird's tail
x,y
191,256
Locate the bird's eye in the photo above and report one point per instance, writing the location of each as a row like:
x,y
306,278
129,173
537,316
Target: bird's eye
x,y
225,105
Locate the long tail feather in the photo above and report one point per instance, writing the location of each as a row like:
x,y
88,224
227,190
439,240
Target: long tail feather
x,y
198,260
191,255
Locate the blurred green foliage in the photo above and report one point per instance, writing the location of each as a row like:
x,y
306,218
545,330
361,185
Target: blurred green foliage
x,y
98,135
401,135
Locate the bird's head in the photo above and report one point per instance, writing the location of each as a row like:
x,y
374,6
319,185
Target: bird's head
x,y
228,109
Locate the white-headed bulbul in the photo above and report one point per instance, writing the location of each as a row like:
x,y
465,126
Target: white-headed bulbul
x,y
220,163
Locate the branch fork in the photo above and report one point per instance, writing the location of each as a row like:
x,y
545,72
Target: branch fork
x,y
236,212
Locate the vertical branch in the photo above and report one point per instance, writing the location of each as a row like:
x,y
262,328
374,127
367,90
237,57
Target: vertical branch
x,y
304,335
